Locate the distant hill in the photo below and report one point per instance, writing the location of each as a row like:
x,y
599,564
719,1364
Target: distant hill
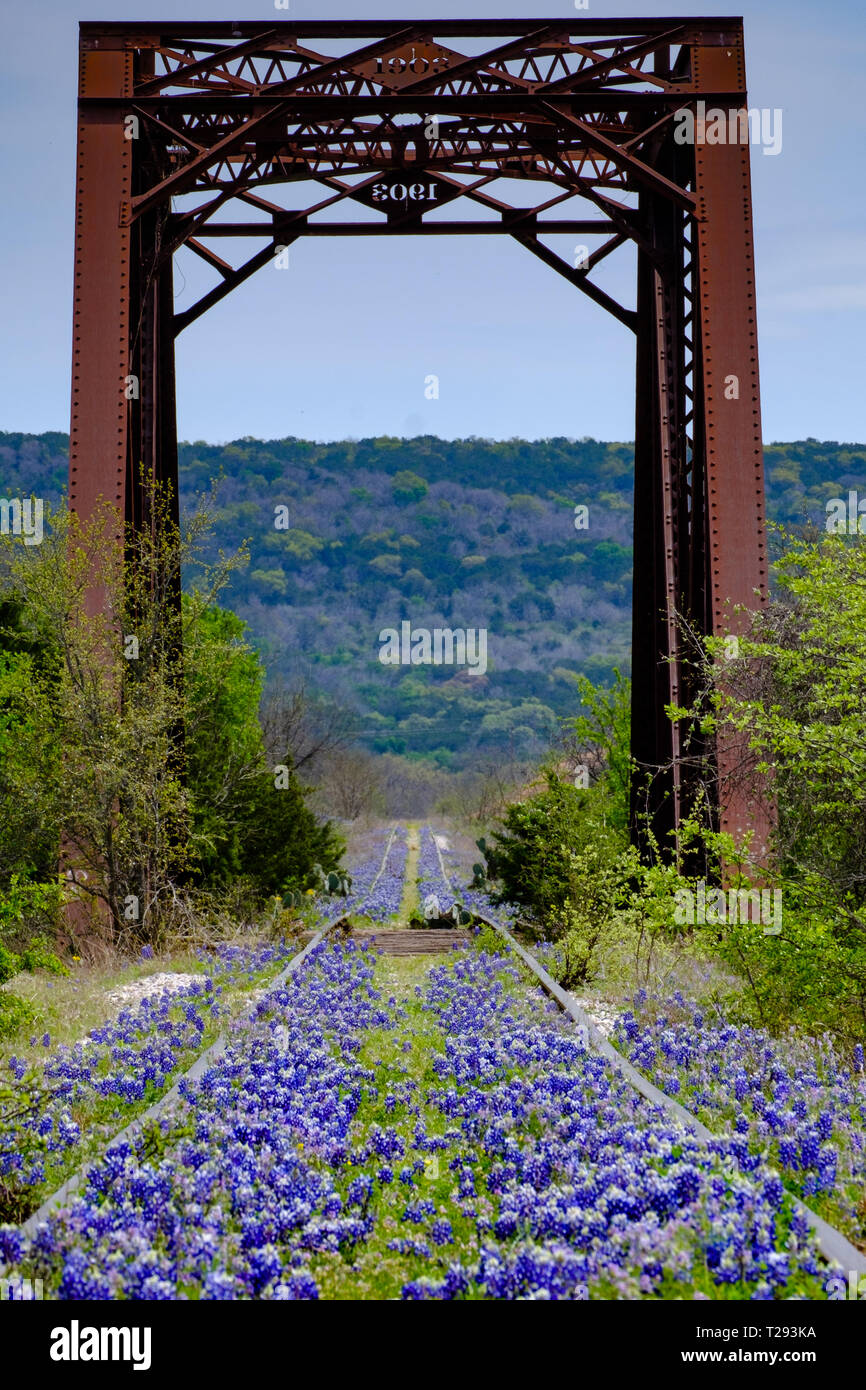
x,y
352,538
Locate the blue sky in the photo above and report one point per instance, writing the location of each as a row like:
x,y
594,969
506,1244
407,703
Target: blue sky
x,y
342,344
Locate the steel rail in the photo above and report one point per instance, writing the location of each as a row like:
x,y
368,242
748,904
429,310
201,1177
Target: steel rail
x,y
72,1186
833,1245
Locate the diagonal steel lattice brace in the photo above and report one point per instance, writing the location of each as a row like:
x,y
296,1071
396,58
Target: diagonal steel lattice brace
x,y
190,133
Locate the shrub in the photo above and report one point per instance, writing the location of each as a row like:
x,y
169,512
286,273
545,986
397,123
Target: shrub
x,y
599,739
489,942
36,955
812,974
281,839
532,858
792,698
15,1014
587,920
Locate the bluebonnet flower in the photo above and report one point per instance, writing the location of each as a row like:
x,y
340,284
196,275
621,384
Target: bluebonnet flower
x,y
566,1181
791,1092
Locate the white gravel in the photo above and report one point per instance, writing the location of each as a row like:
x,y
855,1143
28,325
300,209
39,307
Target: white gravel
x,y
133,993
603,1015
128,996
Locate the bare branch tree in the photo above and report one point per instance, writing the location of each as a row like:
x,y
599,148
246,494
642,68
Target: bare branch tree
x,y
300,729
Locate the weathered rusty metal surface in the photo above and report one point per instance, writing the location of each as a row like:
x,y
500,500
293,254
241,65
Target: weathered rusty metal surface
x,y
732,441
98,435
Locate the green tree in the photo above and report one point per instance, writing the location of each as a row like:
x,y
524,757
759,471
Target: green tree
x,y
795,687
792,694
532,857
249,819
129,730
599,738
223,680
282,839
110,786
408,487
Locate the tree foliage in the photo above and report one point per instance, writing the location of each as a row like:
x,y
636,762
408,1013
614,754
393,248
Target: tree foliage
x,y
599,738
129,728
794,694
532,857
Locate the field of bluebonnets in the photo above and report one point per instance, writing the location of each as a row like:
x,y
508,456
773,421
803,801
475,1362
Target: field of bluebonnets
x,y
795,1099
382,1127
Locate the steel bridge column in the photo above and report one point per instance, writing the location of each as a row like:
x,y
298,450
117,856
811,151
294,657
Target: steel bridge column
x,y
732,442
123,425
153,457
99,427
661,516
123,431
99,421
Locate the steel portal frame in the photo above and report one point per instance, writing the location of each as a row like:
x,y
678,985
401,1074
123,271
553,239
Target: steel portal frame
x,y
216,115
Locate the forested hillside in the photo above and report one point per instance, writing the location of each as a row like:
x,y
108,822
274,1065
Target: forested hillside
x,y
528,540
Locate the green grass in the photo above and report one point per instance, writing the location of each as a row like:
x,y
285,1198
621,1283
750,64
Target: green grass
x,y
411,902
377,1273
68,1007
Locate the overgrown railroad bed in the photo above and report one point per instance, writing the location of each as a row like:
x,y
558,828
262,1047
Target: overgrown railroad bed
x,y
377,1134
380,1129
377,882
60,1106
